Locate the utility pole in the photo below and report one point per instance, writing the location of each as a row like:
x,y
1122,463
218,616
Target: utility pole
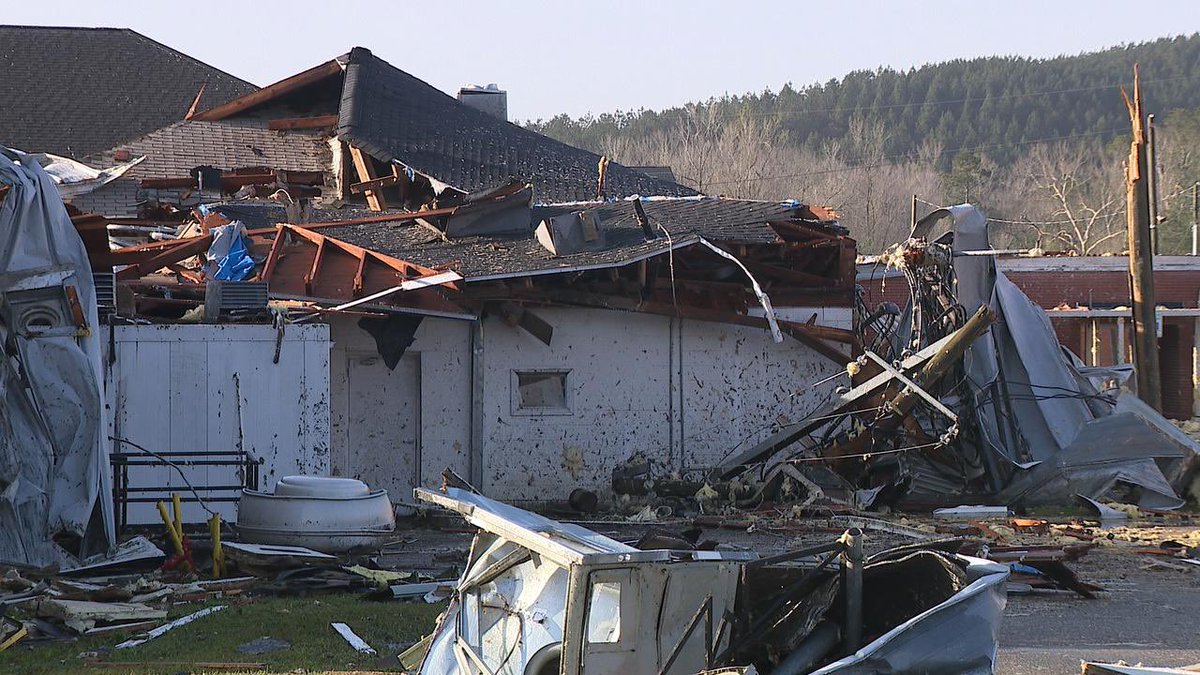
x,y
1196,218
1152,182
1141,256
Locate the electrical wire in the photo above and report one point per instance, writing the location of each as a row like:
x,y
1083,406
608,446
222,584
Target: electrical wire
x,y
865,455
173,465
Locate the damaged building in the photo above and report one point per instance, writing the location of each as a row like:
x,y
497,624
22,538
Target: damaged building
x,y
350,273
302,280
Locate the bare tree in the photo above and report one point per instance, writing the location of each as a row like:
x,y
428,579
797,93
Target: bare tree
x,y
1078,200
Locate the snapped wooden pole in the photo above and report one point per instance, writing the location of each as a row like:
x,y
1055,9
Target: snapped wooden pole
x,y
1141,256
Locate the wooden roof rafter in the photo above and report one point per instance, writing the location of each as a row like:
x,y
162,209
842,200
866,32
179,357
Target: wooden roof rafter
x,y
407,270
271,92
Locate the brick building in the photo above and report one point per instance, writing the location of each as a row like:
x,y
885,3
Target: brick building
x,y
1087,299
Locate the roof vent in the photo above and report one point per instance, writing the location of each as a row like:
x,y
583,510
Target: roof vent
x,y
234,299
571,233
490,99
106,293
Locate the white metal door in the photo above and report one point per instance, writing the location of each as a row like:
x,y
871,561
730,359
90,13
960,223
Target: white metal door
x,y
385,420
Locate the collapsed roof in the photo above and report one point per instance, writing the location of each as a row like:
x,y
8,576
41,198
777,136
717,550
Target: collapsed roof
x,y
702,258
676,222
75,91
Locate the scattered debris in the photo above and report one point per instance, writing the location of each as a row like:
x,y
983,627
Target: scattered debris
x,y
82,615
1121,668
972,512
182,621
12,634
352,638
776,613
267,557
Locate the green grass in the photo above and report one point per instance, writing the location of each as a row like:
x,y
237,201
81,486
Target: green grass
x,y
304,622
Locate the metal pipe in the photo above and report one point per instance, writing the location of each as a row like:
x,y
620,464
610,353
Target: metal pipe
x,y
852,588
809,653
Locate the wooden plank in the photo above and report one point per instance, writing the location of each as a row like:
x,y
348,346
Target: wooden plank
x,y
273,256
136,253
405,268
194,246
791,228
316,266
789,275
360,274
271,92
229,181
375,184
366,173
319,122
81,615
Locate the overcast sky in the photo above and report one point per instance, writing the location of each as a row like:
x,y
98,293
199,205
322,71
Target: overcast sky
x,y
579,57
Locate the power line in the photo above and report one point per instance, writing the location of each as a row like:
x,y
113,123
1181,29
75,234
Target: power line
x,y
1110,214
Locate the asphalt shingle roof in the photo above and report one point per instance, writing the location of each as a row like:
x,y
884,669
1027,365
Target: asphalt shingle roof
x,y
75,91
394,116
477,257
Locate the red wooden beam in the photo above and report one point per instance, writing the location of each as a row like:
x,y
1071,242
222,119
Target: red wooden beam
x,y
195,246
271,92
319,122
316,266
360,275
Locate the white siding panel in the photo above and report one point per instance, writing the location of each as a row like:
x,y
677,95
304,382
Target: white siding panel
x,y
208,388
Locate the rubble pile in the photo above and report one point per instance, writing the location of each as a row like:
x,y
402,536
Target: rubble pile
x,y
968,399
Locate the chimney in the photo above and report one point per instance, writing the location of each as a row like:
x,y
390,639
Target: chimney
x,y
490,99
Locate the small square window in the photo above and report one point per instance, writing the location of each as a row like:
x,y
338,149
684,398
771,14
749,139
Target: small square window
x,y
541,392
604,613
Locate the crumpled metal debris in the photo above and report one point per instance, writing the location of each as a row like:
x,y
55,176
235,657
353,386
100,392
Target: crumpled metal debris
x,y
539,596
54,473
1013,418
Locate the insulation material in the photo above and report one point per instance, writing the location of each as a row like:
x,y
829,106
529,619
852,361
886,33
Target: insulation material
x,y
74,178
54,474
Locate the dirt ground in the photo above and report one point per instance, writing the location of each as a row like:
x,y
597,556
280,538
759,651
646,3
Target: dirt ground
x,y
1147,614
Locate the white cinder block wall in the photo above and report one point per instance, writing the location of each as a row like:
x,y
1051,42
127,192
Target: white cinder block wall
x,y
686,393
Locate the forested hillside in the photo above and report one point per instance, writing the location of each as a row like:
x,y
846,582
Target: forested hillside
x,y
1036,142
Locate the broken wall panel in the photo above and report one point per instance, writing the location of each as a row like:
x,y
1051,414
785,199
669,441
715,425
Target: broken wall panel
x,y
206,388
440,390
623,390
